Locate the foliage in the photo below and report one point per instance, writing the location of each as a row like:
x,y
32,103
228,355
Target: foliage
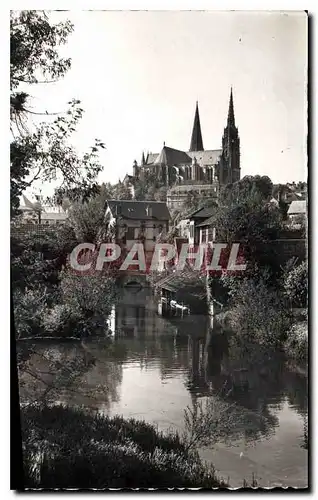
x,y
33,47
256,189
91,296
61,320
30,307
27,268
296,345
121,191
65,448
254,226
37,256
79,307
221,419
87,218
296,285
258,313
44,154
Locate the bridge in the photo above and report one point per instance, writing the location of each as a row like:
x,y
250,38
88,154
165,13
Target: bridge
x,y
134,279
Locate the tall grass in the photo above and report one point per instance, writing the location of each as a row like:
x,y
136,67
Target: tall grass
x,y
68,448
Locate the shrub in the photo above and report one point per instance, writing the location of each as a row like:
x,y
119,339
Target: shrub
x,y
61,320
296,285
91,296
67,448
296,345
30,307
258,313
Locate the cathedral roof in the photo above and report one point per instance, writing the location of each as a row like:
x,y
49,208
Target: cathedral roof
x,y
170,156
207,157
151,158
174,157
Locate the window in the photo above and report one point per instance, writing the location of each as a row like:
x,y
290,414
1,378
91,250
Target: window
x,y
130,234
210,234
191,231
203,235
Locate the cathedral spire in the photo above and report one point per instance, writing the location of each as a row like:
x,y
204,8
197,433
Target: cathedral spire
x,y
196,138
230,116
143,161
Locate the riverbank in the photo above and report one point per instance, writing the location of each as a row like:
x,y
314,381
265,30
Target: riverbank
x,y
81,450
151,369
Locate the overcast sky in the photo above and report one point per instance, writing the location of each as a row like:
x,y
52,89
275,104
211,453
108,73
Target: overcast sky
x,y
139,74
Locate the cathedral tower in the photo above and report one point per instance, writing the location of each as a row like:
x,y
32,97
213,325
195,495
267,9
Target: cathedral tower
x,y
230,170
196,138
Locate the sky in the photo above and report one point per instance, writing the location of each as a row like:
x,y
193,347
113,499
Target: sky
x,y
139,74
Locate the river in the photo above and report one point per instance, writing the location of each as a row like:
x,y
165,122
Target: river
x,y
153,369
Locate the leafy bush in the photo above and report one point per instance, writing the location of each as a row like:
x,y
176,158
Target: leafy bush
x,y
67,448
258,313
296,345
61,320
296,285
30,307
90,296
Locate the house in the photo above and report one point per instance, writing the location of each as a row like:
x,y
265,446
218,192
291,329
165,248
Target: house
x,y
129,222
186,288
196,218
38,213
207,232
297,213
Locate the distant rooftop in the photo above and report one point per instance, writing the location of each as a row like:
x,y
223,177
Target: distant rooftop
x,y
131,209
297,207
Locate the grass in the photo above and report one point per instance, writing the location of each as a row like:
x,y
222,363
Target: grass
x,y
68,448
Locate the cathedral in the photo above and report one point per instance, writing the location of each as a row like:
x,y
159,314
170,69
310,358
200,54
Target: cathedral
x,y
198,166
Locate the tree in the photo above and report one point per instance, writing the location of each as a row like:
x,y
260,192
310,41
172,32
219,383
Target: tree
x,y
44,154
121,191
245,216
256,189
87,218
296,285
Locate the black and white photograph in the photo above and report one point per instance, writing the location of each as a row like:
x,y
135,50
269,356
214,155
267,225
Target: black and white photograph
x,y
159,249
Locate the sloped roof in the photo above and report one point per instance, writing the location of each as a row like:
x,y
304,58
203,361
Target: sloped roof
x,y
207,157
203,212
208,222
297,207
170,156
151,157
131,209
178,279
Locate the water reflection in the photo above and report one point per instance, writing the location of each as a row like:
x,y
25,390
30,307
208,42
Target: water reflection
x,y
152,368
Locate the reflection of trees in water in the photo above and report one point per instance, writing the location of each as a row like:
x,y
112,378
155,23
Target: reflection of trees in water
x,y
69,374
255,379
296,386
